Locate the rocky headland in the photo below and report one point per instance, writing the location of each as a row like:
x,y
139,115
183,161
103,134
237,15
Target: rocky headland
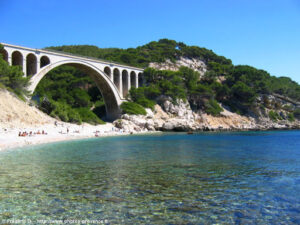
x,y
179,116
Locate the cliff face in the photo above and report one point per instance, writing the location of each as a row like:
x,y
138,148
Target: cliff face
x,y
180,117
269,111
195,64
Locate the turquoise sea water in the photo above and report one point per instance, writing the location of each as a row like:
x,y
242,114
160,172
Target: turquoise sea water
x,y
170,178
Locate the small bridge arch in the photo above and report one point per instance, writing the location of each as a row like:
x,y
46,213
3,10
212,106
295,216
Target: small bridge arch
x,y
4,54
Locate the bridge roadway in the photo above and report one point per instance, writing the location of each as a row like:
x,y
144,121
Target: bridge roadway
x,y
113,80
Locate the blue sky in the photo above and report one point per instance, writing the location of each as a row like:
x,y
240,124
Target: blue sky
x,y
260,33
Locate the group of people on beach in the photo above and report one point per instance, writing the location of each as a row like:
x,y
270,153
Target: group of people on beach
x,y
113,129
25,133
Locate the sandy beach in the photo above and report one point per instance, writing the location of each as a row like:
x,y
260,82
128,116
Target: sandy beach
x,y
9,137
17,117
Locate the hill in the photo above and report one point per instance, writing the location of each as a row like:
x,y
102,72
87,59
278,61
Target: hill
x,y
209,83
201,77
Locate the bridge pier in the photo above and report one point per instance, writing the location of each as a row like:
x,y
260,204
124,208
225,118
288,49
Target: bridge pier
x,y
136,81
9,60
128,83
121,85
38,65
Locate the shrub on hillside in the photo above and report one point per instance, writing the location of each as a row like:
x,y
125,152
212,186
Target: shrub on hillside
x,y
243,93
138,95
133,108
88,116
74,116
274,116
291,117
212,107
297,113
66,113
146,103
60,110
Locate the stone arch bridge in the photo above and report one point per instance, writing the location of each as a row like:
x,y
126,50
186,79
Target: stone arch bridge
x,y
113,80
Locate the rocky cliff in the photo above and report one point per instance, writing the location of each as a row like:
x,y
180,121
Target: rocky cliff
x,y
179,117
192,63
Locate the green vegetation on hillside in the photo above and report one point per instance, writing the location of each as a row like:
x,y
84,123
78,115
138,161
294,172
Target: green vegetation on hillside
x,y
70,95
238,90
133,108
183,84
155,51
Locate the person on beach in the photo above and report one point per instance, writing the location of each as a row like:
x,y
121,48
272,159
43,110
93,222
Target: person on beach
x,y
23,134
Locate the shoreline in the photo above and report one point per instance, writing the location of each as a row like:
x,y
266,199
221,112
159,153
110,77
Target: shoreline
x,y
17,117
9,138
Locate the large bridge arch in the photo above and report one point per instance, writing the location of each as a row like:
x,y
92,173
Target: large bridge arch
x,y
107,88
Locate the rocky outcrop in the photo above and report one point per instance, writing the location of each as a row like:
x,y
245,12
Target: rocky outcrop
x,y
168,116
195,64
178,116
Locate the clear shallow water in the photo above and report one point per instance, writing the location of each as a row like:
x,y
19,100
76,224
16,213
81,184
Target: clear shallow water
x,y
242,177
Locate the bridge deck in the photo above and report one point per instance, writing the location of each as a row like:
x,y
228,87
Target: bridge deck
x,y
67,54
